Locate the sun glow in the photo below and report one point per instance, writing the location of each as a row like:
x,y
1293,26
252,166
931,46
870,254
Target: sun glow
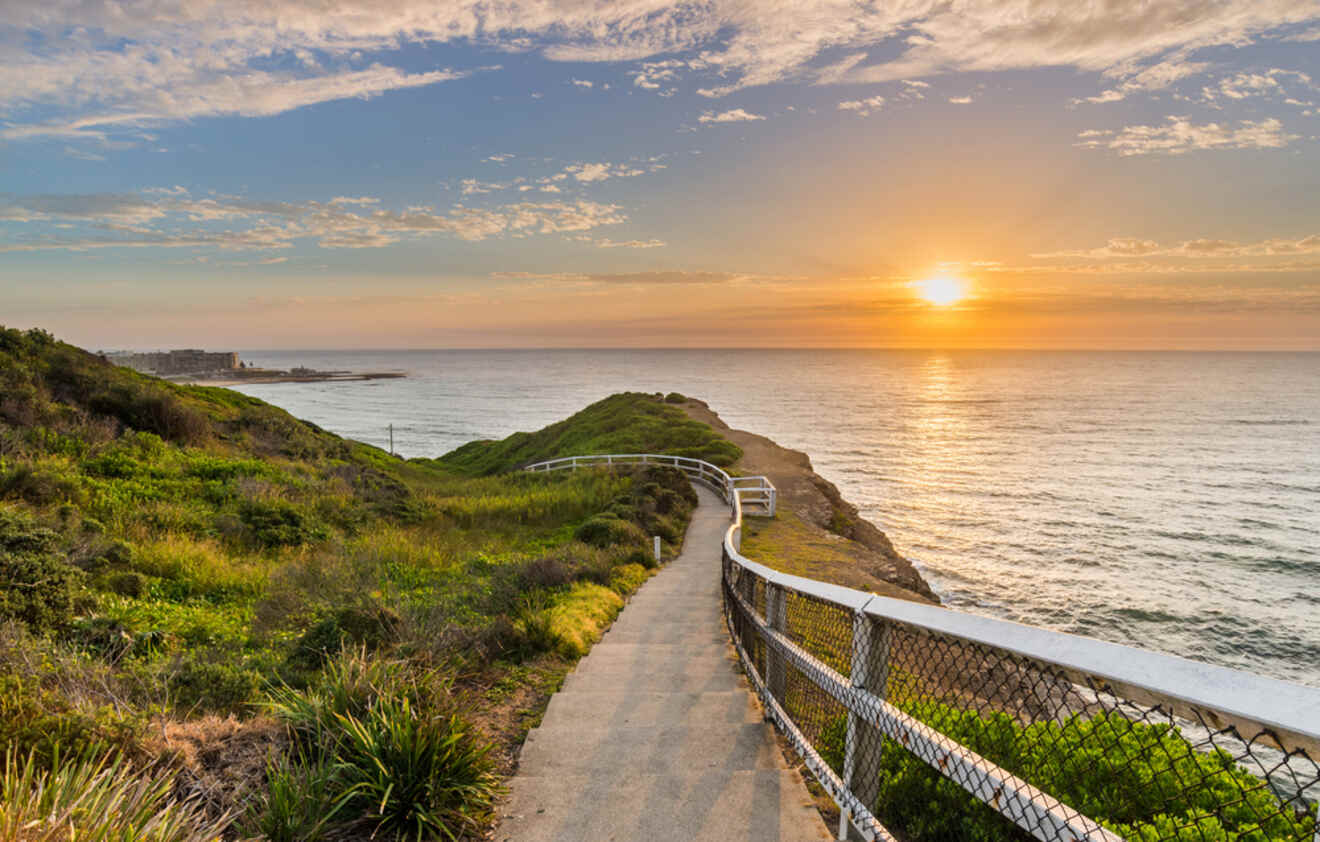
x,y
941,291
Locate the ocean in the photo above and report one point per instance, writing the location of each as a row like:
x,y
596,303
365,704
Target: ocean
x,y
1164,500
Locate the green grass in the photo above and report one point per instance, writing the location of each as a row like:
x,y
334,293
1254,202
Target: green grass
x,y
171,552
626,423
96,799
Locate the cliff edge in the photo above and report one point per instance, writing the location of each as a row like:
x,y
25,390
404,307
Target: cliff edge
x,y
817,532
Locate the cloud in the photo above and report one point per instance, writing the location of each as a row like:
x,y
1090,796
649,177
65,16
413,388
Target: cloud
x,y
583,83
250,94
88,68
1145,78
736,115
1204,247
82,154
1179,136
630,244
136,221
994,35
663,277
1308,35
960,100
587,173
653,75
1151,267
471,187
1246,85
863,107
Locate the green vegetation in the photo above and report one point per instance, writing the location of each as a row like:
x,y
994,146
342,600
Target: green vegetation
x,y
376,628
97,799
1144,781
624,423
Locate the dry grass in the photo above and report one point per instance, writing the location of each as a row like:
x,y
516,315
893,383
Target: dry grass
x,y
219,760
789,544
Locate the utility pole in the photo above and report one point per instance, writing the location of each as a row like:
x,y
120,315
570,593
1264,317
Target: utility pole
x,y
391,439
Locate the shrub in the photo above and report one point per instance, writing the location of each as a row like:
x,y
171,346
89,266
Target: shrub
x,y
628,578
39,486
147,406
370,627
535,628
675,397
545,572
607,529
218,687
109,638
36,586
127,583
117,552
54,699
414,774
1123,774
96,798
192,567
299,803
277,523
402,761
578,617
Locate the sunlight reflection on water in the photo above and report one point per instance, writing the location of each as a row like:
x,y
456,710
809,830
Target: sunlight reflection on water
x,y
1166,500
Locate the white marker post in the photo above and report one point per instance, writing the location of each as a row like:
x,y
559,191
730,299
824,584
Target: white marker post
x,y
657,549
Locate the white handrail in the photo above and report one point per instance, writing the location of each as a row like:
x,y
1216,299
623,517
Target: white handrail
x,y
1289,713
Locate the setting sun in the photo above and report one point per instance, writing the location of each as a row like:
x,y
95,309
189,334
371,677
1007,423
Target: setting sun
x,y
941,291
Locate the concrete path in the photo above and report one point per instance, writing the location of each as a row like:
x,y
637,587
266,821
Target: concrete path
x,y
656,735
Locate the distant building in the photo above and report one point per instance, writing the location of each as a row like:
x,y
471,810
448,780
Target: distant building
x,y
183,361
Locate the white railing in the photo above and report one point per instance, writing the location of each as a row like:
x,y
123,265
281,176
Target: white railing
x,y
756,493
776,621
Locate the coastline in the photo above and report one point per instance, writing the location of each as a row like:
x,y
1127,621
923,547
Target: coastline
x,y
824,534
336,377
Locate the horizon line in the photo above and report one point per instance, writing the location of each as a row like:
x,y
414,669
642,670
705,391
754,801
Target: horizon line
x,y
760,348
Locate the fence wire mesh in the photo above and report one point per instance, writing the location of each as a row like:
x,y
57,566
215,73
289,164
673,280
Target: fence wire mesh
x,y
942,738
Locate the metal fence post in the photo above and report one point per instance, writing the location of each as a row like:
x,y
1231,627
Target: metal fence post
x,y
870,671
776,615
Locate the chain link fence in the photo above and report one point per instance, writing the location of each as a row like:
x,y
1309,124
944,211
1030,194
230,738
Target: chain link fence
x,y
927,725
920,734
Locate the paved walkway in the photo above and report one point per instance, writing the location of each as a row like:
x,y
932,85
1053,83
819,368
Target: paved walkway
x,y
656,735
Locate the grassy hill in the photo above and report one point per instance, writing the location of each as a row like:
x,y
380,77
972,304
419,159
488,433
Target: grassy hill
x,y
248,626
630,422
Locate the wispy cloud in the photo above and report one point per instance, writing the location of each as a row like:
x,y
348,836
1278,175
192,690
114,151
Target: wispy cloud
x,y
1136,77
1248,85
171,221
863,107
735,115
1204,247
1179,136
629,244
600,171
248,94
106,66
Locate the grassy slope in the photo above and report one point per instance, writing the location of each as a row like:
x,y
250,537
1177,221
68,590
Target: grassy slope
x,y
631,422
170,553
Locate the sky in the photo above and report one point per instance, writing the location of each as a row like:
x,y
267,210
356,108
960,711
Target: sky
x,y
642,173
